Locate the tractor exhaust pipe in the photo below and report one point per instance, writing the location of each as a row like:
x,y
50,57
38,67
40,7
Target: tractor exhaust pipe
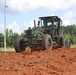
x,y
34,23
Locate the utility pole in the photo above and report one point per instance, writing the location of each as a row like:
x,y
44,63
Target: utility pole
x,y
5,26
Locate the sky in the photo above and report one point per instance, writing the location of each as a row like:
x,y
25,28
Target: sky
x,y
21,13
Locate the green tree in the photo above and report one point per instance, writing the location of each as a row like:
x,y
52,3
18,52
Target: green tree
x,y
10,37
70,32
1,40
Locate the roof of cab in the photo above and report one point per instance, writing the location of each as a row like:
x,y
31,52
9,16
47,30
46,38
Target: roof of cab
x,y
50,17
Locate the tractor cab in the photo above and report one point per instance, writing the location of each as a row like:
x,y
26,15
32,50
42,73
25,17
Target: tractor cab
x,y
52,25
50,20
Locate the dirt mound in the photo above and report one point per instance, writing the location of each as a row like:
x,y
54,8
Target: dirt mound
x,y
54,62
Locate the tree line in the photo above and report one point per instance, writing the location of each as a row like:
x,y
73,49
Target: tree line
x,y
68,31
10,37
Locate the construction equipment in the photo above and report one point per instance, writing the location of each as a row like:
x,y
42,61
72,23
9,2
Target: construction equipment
x,y
46,34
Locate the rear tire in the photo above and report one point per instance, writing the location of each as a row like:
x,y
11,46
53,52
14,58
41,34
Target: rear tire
x,y
19,44
68,43
47,42
63,42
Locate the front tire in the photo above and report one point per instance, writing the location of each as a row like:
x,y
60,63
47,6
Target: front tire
x,y
47,42
19,44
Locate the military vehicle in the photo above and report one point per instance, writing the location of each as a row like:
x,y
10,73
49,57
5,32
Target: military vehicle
x,y
46,34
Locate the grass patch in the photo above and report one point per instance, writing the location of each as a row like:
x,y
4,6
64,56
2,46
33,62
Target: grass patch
x,y
7,49
73,46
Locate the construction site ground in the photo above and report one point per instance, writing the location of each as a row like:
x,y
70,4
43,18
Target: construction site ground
x,y
60,61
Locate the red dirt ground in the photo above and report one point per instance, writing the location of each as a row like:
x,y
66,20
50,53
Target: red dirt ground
x,y
53,62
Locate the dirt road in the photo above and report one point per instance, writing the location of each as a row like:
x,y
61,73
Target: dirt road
x,y
53,62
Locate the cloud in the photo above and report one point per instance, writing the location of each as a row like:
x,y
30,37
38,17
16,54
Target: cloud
x,y
19,28
69,4
1,28
69,18
25,5
16,6
66,22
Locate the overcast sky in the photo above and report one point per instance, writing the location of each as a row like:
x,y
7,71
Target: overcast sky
x,y
21,13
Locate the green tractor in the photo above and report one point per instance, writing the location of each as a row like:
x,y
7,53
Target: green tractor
x,y
46,34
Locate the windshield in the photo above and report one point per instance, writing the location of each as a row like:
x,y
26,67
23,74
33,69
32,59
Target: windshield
x,y
49,23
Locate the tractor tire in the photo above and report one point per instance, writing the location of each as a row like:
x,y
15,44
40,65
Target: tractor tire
x,y
47,42
54,44
63,42
68,43
19,44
